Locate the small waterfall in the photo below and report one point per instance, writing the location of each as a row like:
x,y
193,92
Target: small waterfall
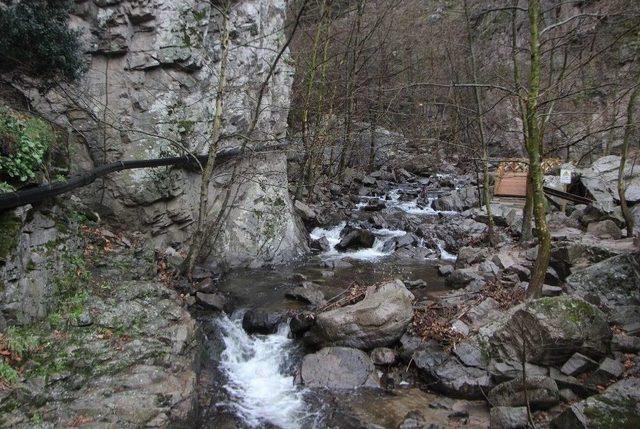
x,y
371,254
410,207
446,256
260,388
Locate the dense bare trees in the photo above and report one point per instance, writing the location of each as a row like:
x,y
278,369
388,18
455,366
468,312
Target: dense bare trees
x,y
475,81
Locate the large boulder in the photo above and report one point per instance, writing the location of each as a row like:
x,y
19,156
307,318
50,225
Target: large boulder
x,y
605,229
378,320
458,200
338,368
612,283
552,329
541,392
600,180
446,374
260,321
356,239
616,407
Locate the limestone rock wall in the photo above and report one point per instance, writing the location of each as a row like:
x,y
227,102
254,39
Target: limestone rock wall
x,y
150,92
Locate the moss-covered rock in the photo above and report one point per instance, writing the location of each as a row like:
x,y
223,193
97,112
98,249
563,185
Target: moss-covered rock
x,y
616,408
549,331
10,225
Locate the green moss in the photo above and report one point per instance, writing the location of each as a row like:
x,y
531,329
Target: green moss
x,y
574,310
185,127
20,341
10,226
609,414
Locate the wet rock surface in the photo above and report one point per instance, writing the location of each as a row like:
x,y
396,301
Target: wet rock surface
x,y
113,352
338,368
378,320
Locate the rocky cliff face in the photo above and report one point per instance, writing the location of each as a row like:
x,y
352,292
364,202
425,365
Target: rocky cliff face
x,y
150,92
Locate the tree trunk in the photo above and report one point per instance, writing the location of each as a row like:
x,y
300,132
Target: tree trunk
x,y
199,237
628,131
533,145
486,192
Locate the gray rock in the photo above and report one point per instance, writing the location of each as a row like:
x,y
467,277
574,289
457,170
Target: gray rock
x,y
605,229
338,368
309,293
509,418
625,343
468,256
478,315
577,386
609,369
612,283
356,239
577,364
378,320
383,356
260,321
551,290
445,270
447,375
459,200
308,215
558,326
413,420
409,344
509,370
301,323
567,395
503,260
470,353
615,407
460,327
374,206
418,283
149,39
215,301
462,277
321,244
542,393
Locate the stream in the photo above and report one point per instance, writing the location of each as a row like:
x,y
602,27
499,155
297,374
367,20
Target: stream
x,y
254,375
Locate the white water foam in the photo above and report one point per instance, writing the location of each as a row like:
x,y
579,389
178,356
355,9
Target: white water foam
x,y
446,256
371,254
259,391
409,207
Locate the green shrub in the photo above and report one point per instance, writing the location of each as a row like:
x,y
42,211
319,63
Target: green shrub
x,y
36,40
20,341
8,375
24,143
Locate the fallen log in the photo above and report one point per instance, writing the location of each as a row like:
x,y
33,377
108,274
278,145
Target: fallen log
x,y
11,200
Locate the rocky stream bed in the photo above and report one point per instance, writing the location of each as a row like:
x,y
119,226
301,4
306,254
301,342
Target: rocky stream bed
x,y
402,317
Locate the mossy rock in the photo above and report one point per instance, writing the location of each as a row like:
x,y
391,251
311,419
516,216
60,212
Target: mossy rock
x,y
10,226
554,328
616,408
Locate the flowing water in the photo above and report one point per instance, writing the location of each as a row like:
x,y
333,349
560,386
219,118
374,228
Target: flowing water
x,y
257,371
259,380
371,254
